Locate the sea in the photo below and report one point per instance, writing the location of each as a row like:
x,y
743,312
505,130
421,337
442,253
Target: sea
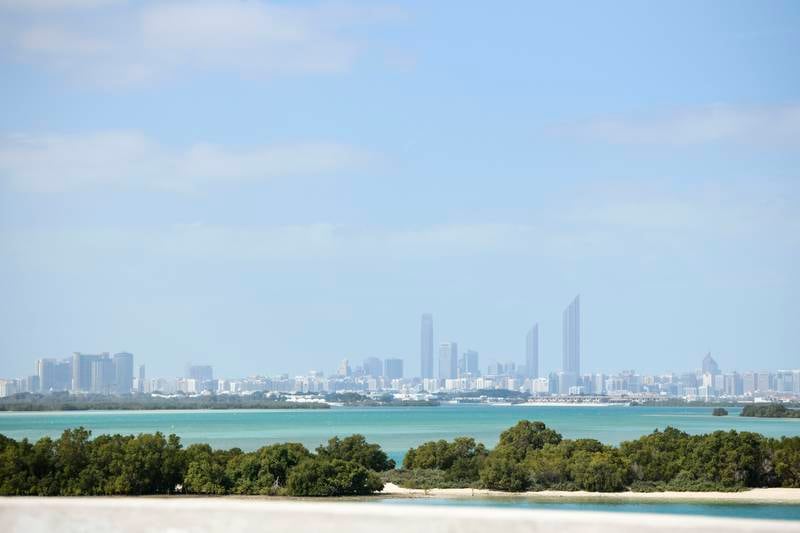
x,y
398,428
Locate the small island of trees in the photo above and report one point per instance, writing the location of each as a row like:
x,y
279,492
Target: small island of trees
x,y
719,411
770,410
529,456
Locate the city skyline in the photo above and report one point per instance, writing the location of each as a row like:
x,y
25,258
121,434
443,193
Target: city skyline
x,y
87,370
113,375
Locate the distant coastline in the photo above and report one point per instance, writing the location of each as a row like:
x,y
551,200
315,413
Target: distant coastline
x,y
67,402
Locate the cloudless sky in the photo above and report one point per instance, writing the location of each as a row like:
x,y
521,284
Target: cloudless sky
x,y
271,187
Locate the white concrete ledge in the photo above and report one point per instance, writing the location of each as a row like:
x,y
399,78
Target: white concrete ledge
x,y
196,515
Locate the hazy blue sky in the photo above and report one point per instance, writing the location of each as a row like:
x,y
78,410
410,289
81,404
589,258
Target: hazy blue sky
x,y
273,186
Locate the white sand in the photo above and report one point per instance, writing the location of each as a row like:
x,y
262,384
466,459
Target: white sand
x,y
207,515
773,495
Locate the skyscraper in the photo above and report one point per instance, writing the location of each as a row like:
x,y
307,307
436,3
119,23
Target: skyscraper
x,y
426,346
373,367
46,370
448,360
709,365
82,370
571,344
393,368
200,373
102,370
468,364
532,352
123,372
141,379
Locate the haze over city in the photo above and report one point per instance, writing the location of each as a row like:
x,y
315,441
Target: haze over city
x,y
279,202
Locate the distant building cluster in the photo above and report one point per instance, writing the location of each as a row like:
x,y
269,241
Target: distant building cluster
x,y
454,373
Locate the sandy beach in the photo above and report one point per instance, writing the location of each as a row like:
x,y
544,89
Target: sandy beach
x,y
771,495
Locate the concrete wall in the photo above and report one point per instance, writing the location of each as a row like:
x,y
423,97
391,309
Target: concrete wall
x,y
196,515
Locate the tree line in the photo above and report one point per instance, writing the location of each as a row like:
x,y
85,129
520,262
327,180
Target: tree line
x,y
528,456
63,401
769,410
76,465
531,456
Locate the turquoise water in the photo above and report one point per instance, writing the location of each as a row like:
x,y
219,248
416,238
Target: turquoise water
x,y
394,428
763,511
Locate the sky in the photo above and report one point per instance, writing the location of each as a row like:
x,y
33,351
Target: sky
x,y
273,186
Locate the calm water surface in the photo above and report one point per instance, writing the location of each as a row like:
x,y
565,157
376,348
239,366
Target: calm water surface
x,y
761,511
394,428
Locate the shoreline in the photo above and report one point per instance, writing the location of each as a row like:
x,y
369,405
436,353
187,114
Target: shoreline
x,y
762,495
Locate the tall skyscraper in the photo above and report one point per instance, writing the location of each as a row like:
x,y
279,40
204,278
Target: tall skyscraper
x,y
200,373
532,352
46,370
344,368
393,368
123,372
571,330
141,379
426,346
82,370
102,375
373,367
448,360
468,364
709,365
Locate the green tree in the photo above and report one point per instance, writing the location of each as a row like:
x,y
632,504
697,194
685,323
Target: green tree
x,y
601,471
525,437
355,448
331,477
658,456
279,459
787,461
71,458
503,471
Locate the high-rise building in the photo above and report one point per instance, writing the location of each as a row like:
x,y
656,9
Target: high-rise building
x,y
764,382
468,364
732,384
46,370
373,367
532,352
82,370
63,375
784,381
103,376
571,338
749,382
123,372
200,373
344,369
426,346
141,379
709,365
448,360
393,368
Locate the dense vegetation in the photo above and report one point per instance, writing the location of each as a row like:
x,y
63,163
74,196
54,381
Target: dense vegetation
x,y
75,464
531,456
770,410
719,411
528,456
354,399
69,402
